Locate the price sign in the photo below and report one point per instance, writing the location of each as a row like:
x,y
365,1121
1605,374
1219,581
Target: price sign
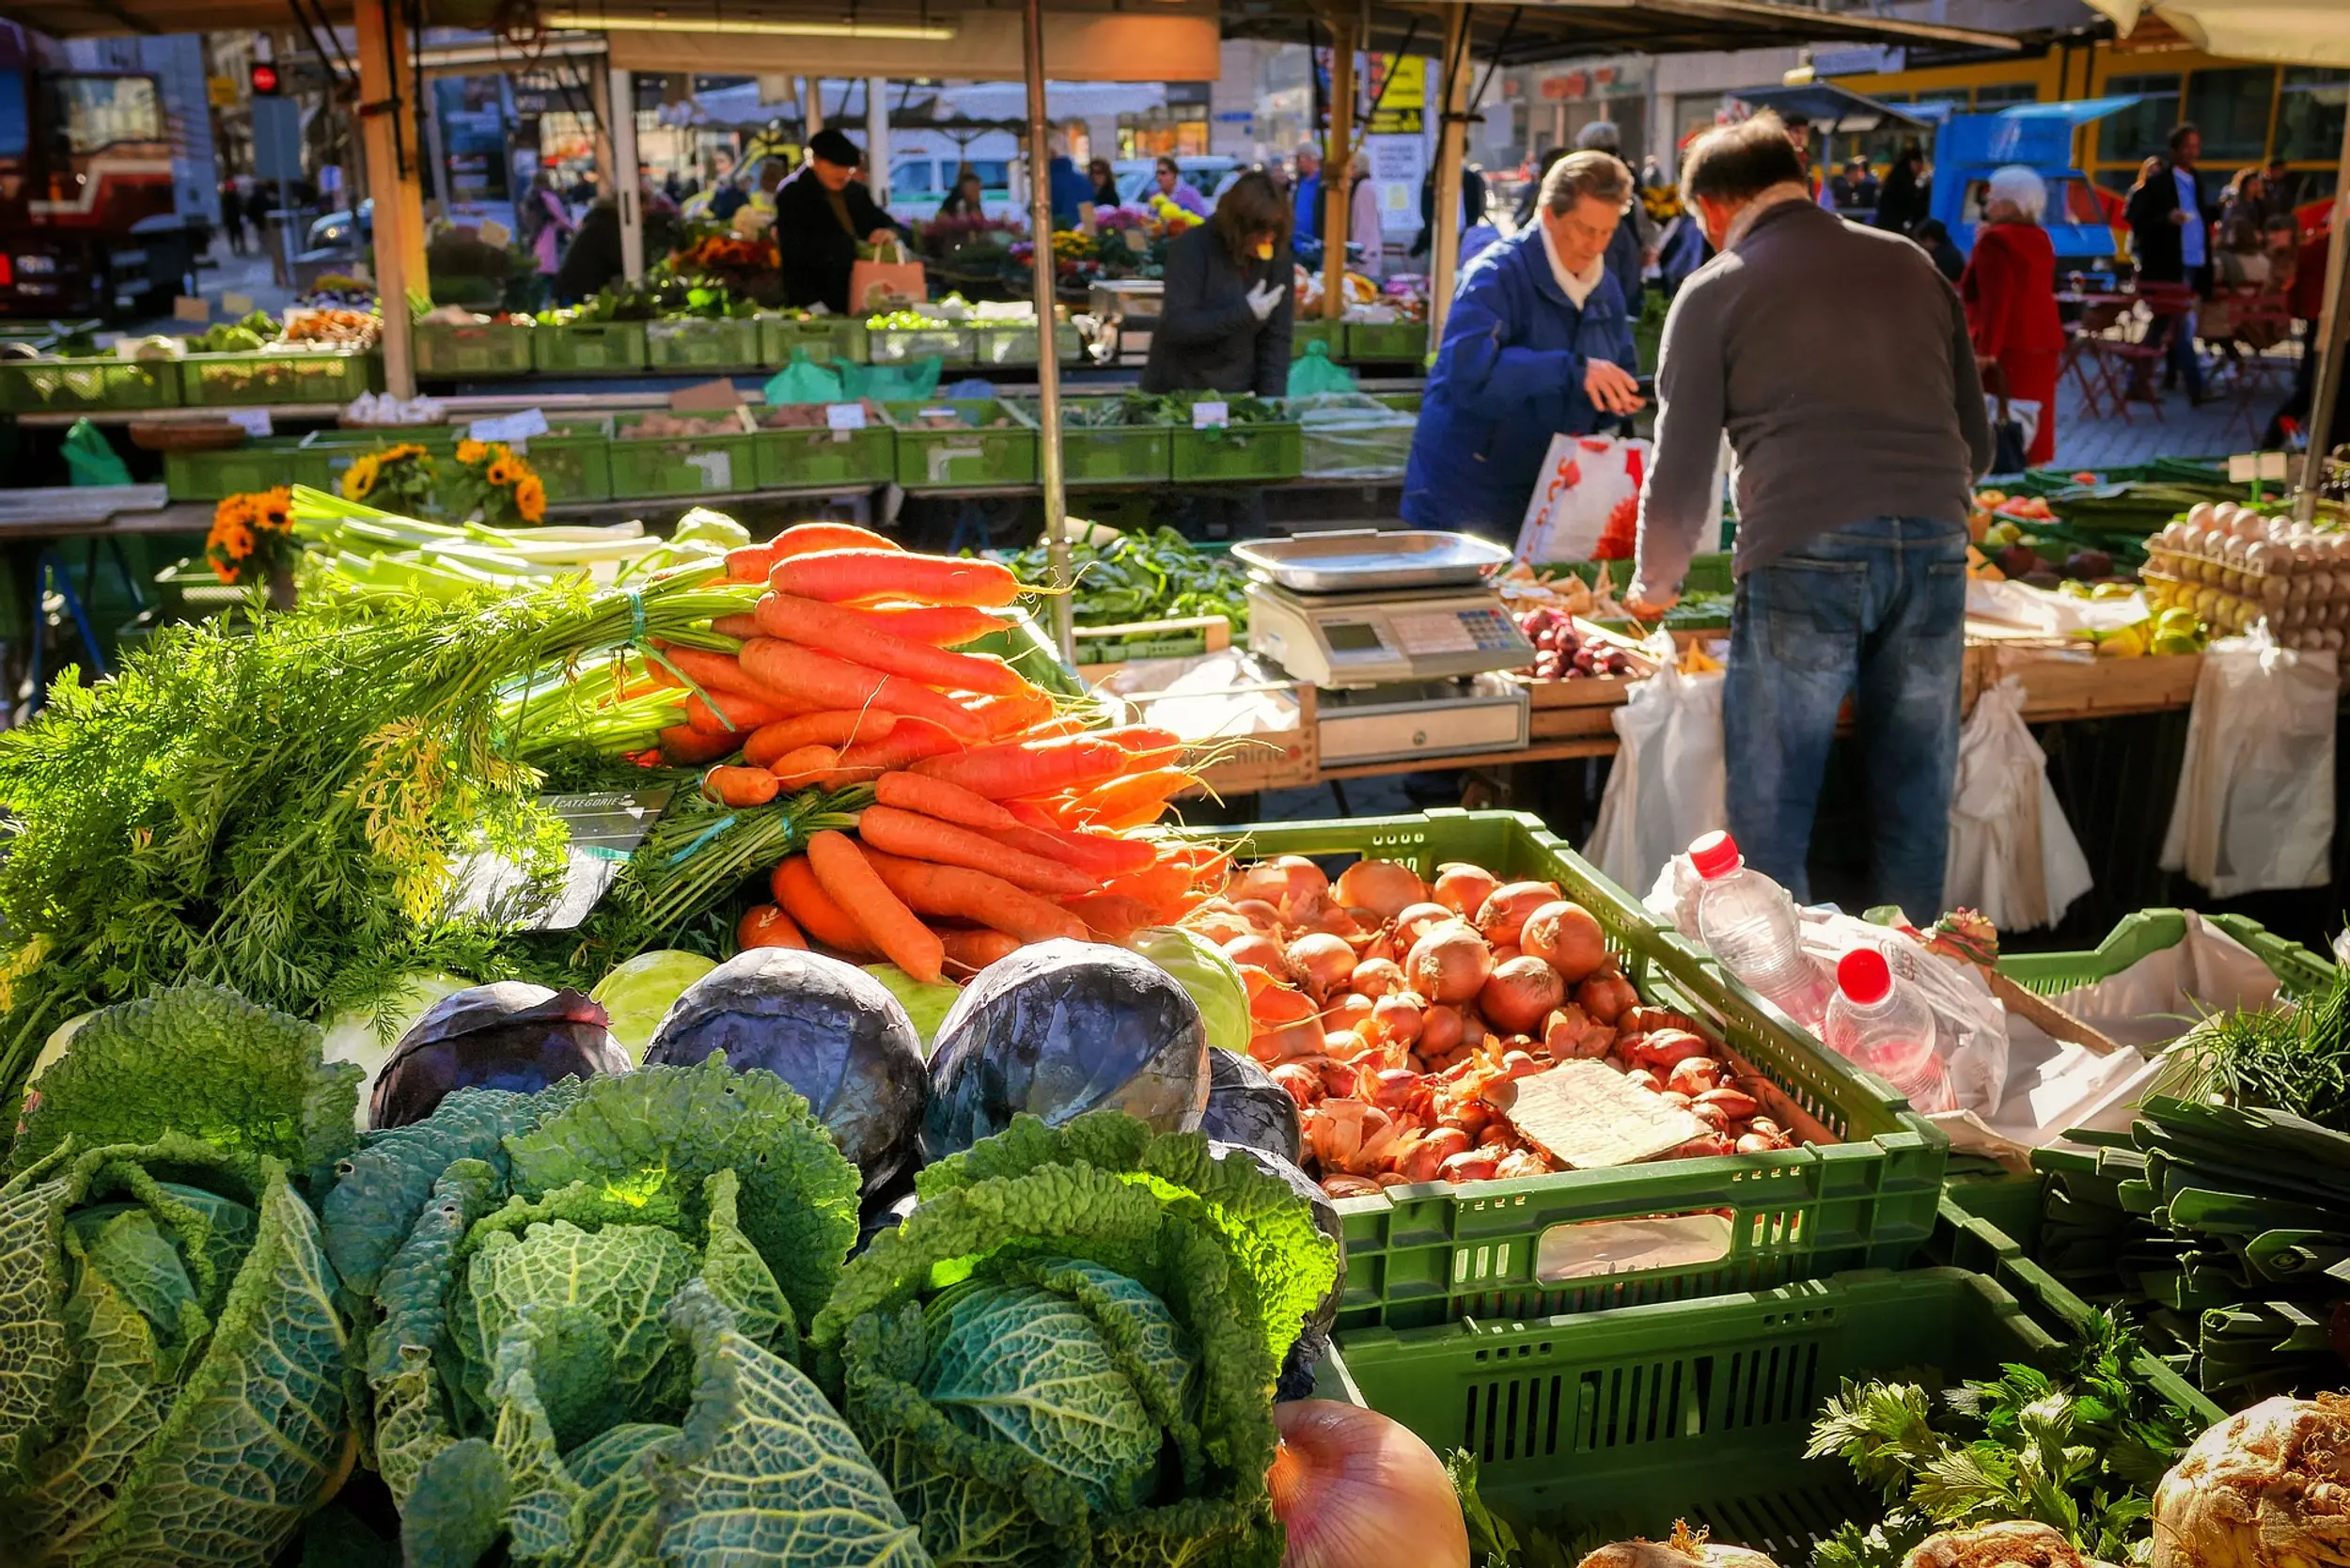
x,y
510,428
253,421
1210,416
844,416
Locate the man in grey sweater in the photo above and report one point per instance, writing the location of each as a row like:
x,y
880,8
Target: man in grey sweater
x,y
1837,359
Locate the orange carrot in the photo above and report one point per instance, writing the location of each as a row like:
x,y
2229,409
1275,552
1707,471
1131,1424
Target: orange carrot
x,y
921,838
1160,889
805,538
846,577
739,626
837,726
684,746
1142,737
1009,716
766,926
854,886
844,631
811,908
1104,855
962,894
910,741
750,563
1136,799
740,785
940,625
974,951
1112,917
804,765
792,671
718,713
1030,767
717,672
936,797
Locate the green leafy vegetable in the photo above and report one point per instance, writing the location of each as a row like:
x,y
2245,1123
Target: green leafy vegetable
x,y
1157,575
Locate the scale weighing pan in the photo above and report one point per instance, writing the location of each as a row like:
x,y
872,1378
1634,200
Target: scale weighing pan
x,y
1359,561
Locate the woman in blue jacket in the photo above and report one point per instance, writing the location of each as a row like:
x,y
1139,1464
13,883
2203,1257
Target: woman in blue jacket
x,y
1537,343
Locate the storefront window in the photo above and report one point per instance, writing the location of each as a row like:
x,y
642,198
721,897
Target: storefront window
x,y
2231,108
95,112
2004,93
2310,113
2144,129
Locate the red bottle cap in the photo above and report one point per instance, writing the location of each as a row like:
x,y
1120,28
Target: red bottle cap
x,y
1863,977
1714,855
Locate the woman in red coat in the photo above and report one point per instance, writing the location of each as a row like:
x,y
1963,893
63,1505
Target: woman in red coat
x,y
2009,292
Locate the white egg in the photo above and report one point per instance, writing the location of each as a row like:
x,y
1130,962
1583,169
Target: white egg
x,y
2200,515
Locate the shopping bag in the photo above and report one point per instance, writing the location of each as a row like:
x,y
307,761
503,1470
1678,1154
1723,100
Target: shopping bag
x,y
906,382
2012,854
1314,372
804,381
1668,785
2013,423
2255,805
1586,492
888,280
90,458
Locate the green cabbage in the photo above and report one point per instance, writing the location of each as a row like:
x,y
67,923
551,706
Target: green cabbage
x,y
925,1004
561,1292
1067,1351
366,1040
1212,979
636,995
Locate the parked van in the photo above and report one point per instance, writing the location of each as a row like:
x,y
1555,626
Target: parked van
x,y
1139,177
923,165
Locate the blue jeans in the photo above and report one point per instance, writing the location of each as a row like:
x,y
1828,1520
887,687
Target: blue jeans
x,y
1878,611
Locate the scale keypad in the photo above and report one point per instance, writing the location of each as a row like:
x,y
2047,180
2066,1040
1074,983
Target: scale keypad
x,y
1493,630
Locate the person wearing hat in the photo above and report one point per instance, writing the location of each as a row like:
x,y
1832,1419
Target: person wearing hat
x,y
823,212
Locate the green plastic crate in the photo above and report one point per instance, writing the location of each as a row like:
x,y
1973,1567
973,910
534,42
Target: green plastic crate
x,y
694,344
800,458
573,460
1316,329
2300,971
946,343
1617,1423
1109,454
945,459
1386,341
1864,1197
824,337
1017,345
233,379
451,349
1402,402
255,465
603,346
694,465
1267,451
336,450
82,386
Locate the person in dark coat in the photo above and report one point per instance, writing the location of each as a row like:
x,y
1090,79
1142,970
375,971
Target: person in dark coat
x,y
1225,319
1934,237
2170,242
1536,344
823,212
1902,196
1472,205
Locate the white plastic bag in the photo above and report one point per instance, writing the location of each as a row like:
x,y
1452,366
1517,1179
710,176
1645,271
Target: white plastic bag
x,y
2012,854
2255,806
1668,785
1584,481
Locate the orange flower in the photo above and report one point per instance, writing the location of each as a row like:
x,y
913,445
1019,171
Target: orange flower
x,y
501,474
530,498
471,452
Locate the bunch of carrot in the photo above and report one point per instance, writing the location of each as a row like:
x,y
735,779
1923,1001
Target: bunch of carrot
x,y
996,819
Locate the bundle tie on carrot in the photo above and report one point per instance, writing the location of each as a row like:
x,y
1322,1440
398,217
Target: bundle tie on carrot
x,y
702,837
639,638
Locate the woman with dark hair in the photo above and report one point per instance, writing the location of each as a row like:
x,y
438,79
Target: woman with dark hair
x,y
1224,322
1902,198
968,199
1169,182
1104,182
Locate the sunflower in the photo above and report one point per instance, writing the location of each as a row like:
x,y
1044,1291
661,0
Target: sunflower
x,y
501,473
470,452
405,449
274,509
530,498
359,478
236,541
231,509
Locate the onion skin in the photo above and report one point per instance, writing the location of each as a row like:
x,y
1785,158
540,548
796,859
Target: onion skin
x,y
1503,916
1568,938
1450,965
1323,962
1520,993
1399,1015
1291,883
1418,922
1376,977
1354,1489
1606,997
1259,952
1385,888
1440,1031
1463,889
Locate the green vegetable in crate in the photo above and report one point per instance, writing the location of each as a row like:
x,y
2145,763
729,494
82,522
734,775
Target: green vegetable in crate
x,y
1157,575
905,320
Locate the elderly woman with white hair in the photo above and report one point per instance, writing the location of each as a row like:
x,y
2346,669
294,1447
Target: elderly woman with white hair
x,y
2009,289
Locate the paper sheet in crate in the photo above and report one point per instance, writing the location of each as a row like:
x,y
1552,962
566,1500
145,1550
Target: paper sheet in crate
x,y
1227,695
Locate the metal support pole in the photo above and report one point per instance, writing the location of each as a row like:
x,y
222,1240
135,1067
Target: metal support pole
x,y
629,192
812,104
877,136
1338,163
1049,444
1451,152
2333,332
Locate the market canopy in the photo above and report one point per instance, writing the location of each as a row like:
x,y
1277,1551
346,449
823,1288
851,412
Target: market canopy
x,y
1832,110
2294,32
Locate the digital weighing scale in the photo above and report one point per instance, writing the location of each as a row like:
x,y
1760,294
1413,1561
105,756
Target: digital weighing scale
x,y
1401,634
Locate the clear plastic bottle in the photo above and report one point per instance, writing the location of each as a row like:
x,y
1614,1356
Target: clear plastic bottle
x,y
1888,1030
1750,924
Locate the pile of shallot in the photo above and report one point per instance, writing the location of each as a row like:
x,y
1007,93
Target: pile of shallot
x,y
1391,1008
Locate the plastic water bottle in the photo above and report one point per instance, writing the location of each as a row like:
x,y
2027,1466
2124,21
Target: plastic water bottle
x,y
1888,1030
1750,924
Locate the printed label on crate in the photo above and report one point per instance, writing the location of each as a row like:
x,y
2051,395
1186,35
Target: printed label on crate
x,y
186,309
844,416
253,421
717,469
942,456
1206,416
513,429
1629,1246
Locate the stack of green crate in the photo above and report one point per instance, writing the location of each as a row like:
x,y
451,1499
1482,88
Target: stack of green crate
x,y
1386,341
945,341
573,459
87,385
576,347
808,457
992,445
824,337
645,468
448,350
1317,329
1013,343
302,376
251,465
1107,454
1272,451
695,343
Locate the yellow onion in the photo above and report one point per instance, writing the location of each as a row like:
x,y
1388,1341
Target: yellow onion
x,y
1357,1490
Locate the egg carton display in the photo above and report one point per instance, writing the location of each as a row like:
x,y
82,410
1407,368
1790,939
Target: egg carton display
x,y
2237,566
